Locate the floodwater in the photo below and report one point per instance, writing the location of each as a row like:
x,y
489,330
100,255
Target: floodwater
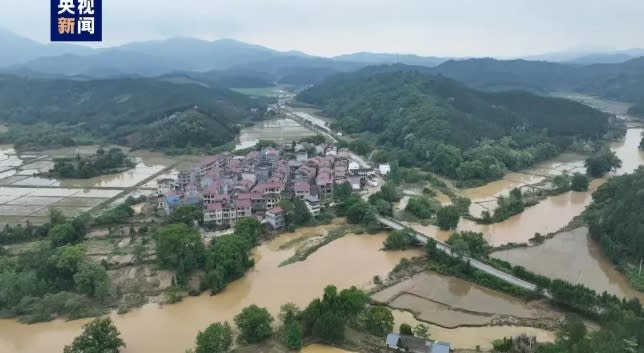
x,y
574,257
351,260
551,214
452,302
278,130
319,348
471,337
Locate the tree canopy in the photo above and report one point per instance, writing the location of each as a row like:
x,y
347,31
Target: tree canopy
x,y
254,324
99,336
216,338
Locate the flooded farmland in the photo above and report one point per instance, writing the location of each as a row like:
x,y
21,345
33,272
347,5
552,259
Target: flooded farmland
x,y
574,257
451,302
27,197
277,130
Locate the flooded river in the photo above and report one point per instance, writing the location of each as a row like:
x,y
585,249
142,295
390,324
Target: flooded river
x,y
352,260
574,257
550,214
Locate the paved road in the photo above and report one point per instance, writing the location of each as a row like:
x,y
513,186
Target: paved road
x,y
475,263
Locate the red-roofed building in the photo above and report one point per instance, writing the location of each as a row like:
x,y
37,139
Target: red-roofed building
x,y
301,189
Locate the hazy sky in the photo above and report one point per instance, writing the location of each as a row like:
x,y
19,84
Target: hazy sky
x,y
331,27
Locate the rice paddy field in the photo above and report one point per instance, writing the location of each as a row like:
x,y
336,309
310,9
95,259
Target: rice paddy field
x,y
25,196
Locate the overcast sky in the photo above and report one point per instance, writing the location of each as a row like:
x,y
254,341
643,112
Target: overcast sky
x,y
502,28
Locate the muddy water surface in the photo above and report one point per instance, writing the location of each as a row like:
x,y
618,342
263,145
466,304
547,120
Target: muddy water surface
x,y
452,302
352,260
574,257
470,337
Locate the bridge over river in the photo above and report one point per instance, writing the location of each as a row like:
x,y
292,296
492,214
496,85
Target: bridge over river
x,y
423,238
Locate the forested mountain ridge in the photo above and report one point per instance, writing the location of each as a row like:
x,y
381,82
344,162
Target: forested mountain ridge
x,y
118,108
431,121
620,81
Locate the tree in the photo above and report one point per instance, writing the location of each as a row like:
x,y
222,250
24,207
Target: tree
x,y
378,320
254,324
62,234
179,248
216,338
399,240
301,214
56,216
341,192
250,228
642,144
99,336
186,214
405,329
447,217
602,162
288,312
579,182
422,331
571,332
91,280
561,183
293,333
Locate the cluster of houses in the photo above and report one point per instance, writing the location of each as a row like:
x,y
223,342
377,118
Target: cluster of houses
x,y
229,187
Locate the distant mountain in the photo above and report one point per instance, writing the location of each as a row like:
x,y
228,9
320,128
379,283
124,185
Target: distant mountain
x,y
17,49
586,57
297,70
508,74
105,64
382,58
201,55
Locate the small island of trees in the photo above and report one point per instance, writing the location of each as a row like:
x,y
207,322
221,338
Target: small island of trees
x,y
101,163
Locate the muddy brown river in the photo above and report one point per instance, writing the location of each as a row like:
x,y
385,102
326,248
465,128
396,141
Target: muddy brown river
x,y
352,260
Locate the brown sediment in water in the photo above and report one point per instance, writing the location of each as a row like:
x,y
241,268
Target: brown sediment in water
x,y
451,302
574,257
351,260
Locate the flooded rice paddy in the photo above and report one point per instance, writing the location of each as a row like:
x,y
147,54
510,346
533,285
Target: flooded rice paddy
x,y
277,130
451,302
27,197
574,257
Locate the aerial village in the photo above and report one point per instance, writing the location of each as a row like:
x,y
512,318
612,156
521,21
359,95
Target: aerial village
x,y
229,187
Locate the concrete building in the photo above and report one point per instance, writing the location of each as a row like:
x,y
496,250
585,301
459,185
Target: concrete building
x,y
275,217
313,204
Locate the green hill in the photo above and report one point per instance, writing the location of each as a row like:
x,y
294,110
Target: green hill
x,y
115,109
434,122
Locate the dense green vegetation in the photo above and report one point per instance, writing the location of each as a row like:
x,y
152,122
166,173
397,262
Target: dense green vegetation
x,y
101,163
508,206
469,244
216,338
622,331
44,135
579,182
399,240
137,112
435,123
422,207
615,218
55,278
99,336
447,217
254,324
602,162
